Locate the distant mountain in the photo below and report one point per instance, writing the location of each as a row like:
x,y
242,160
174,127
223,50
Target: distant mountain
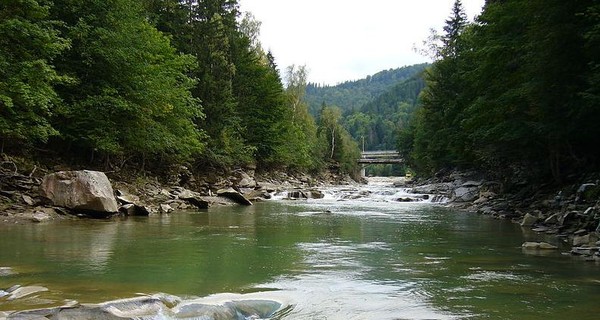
x,y
353,95
387,113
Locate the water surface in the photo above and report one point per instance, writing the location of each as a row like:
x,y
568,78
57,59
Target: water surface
x,y
367,258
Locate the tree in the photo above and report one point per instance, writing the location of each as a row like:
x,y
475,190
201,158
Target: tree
x,y
439,142
336,144
131,96
300,132
261,103
29,43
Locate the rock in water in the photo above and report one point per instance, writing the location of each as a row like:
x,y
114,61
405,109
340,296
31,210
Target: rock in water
x,y
538,246
232,194
25,291
80,190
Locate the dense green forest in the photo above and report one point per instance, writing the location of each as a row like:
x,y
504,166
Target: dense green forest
x,y
515,93
352,95
373,109
154,84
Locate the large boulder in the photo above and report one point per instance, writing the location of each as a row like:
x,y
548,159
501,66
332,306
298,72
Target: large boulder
x,y
85,190
232,194
465,194
193,198
244,180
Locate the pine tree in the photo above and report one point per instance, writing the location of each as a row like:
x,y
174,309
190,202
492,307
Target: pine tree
x,y
439,141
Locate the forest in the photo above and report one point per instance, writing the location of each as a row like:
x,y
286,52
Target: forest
x,y
159,83
515,93
156,83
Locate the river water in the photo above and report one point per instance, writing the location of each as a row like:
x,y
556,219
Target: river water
x,y
357,254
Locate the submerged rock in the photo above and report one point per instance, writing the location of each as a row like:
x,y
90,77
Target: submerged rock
x,y
158,306
538,246
6,271
21,292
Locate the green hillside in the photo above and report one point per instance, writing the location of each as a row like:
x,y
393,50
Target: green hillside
x,y
352,95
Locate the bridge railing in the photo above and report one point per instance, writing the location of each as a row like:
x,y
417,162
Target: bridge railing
x,y
382,156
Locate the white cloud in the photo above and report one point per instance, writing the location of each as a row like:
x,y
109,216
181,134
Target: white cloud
x,y
341,40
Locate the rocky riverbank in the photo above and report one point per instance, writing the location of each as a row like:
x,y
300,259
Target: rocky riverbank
x,y
569,213
41,195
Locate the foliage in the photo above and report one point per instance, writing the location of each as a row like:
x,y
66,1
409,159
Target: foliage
x,y
352,95
517,89
29,42
131,95
300,133
172,82
335,143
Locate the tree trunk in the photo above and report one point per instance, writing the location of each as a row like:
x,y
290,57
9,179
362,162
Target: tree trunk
x,y
332,141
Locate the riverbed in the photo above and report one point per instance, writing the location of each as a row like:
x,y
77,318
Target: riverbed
x,y
356,254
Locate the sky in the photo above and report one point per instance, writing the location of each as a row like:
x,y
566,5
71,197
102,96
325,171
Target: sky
x,y
341,40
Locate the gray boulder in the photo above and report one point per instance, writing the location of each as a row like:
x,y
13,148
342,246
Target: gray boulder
x,y
80,190
465,194
529,220
193,198
232,194
243,180
538,246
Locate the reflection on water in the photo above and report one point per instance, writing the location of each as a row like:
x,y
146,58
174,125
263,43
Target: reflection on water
x,y
357,254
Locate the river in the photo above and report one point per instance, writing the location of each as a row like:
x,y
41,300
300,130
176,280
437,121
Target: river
x,y
356,254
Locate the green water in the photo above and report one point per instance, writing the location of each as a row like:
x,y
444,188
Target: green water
x,y
365,259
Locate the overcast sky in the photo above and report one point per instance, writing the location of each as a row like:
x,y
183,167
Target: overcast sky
x,y
341,40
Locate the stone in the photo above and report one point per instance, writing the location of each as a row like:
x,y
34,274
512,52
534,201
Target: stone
x,y
296,194
553,219
257,195
267,186
80,190
538,246
194,199
128,199
244,180
157,306
25,291
232,194
465,194
40,216
131,209
587,192
529,220
316,194
471,184
581,240
6,271
28,200
481,200
165,208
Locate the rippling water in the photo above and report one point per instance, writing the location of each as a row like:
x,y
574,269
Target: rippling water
x,y
357,254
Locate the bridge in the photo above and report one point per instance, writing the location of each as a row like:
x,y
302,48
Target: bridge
x,y
377,157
